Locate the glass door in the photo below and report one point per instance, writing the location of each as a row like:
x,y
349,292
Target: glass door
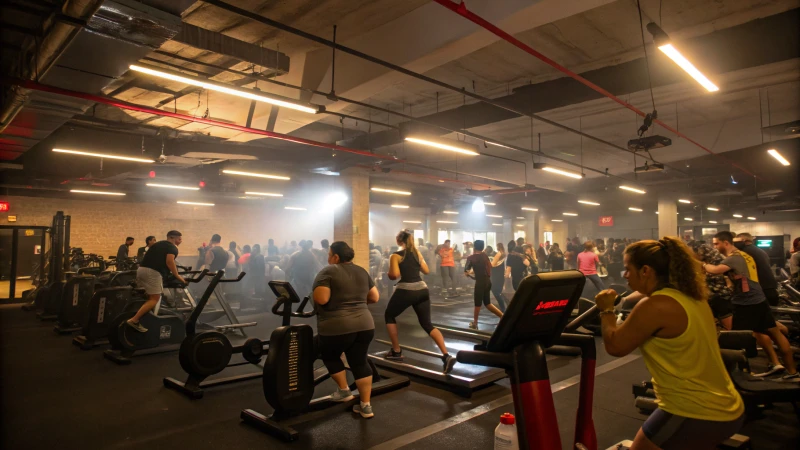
x,y
6,272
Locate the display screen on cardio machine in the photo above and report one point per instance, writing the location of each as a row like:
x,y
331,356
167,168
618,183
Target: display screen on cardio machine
x,y
539,311
284,289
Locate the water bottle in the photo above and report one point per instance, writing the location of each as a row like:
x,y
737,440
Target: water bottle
x,y
505,435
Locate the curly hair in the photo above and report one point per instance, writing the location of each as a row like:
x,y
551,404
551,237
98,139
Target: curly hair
x,y
673,263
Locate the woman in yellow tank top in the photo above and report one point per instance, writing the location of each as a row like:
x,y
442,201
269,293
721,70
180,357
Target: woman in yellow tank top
x,y
698,406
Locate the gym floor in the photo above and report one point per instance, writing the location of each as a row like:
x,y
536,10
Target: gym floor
x,y
54,395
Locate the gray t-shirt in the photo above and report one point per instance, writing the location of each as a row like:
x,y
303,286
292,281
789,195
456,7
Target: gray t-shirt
x,y
744,275
346,311
794,263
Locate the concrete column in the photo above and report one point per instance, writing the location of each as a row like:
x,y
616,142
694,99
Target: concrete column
x,y
531,237
433,229
507,232
351,220
667,216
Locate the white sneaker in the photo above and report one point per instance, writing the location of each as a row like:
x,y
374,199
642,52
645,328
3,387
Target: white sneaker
x,y
771,370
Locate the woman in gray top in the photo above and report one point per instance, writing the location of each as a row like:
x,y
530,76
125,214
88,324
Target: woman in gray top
x,y
341,293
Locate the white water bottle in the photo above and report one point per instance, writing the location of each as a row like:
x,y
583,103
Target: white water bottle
x,y
505,435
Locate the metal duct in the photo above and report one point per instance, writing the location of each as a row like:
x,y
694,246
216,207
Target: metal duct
x,y
92,54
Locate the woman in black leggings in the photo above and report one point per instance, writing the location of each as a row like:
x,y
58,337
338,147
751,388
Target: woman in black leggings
x,y
498,276
341,293
411,291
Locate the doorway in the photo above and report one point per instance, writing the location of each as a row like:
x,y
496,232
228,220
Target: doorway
x,y
22,260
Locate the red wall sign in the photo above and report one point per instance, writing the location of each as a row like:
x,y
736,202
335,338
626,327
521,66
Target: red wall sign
x,y
4,206
606,221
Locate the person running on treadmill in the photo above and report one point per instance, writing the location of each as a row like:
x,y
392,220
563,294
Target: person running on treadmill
x,y
447,268
698,405
481,268
122,252
216,256
148,241
341,293
411,291
751,310
158,262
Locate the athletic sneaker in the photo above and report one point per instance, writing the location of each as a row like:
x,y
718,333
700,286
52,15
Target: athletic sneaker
x,y
364,410
771,370
448,363
342,395
473,325
791,377
392,355
136,326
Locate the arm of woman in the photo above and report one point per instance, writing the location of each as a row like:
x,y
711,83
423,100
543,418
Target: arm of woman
x,y
423,266
322,295
394,267
647,318
373,296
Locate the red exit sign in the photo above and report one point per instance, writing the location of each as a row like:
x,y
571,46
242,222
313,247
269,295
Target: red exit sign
x,y
606,221
4,206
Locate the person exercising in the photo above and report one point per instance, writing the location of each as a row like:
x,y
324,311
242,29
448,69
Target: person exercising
x,y
481,267
341,293
148,242
216,256
411,291
156,264
122,252
698,405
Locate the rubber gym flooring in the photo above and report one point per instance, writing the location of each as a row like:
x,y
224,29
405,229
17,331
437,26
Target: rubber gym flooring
x,y
54,395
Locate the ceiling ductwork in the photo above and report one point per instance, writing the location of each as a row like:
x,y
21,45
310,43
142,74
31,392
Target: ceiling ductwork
x,y
81,55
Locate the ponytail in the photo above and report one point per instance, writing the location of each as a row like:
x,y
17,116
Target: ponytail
x,y
406,238
673,263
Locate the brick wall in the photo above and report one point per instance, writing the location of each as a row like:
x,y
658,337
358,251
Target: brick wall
x,y
100,226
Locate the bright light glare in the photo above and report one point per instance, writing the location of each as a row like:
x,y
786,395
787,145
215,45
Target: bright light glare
x,y
778,156
256,175
525,208
390,191
684,64
265,194
635,209
587,202
400,206
683,200
195,203
478,206
335,200
711,208
78,191
442,146
169,186
738,216
566,173
628,188
224,89
102,155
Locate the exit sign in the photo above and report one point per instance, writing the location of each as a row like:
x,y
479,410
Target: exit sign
x,y
4,206
606,221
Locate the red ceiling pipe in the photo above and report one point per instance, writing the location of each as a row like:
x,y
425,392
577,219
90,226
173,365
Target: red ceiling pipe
x,y
146,109
461,9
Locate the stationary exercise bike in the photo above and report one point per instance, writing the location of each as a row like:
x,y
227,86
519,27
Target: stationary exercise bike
x,y
165,329
289,376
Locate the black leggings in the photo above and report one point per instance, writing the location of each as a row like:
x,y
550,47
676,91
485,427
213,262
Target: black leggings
x,y
355,346
483,289
497,290
420,300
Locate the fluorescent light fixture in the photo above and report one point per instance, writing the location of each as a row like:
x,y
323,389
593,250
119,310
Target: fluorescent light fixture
x,y
778,156
256,175
170,186
569,214
445,221
712,221
264,194
219,87
478,206
445,144
390,191
525,208
556,220
634,209
521,218
683,200
688,218
631,189
412,221
738,216
711,208
498,224
489,204
102,155
195,203
400,206
587,202
449,212
79,191
520,225
566,173
751,218
495,216
688,67
499,145
294,208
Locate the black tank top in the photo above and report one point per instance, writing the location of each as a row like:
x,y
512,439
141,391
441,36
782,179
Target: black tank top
x,y
409,268
220,259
